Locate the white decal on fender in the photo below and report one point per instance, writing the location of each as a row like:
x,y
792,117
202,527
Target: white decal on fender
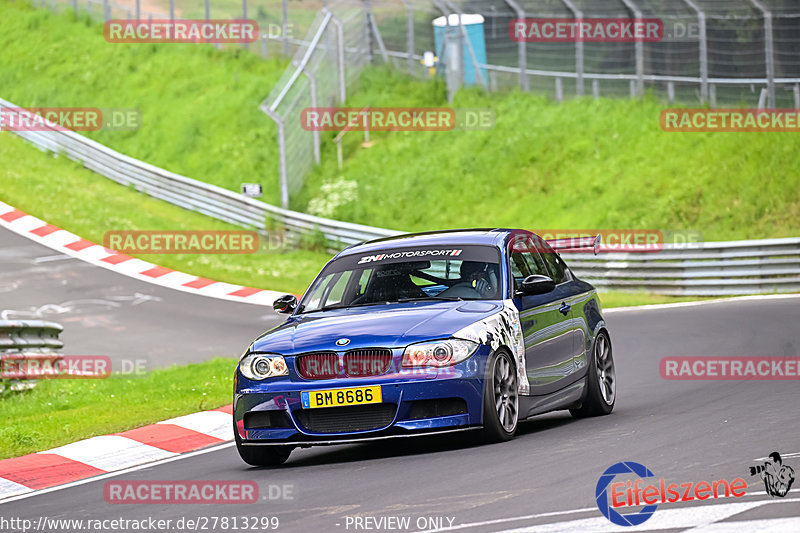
x,y
501,329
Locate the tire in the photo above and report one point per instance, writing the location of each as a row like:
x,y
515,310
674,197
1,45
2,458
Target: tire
x,y
262,455
500,399
600,393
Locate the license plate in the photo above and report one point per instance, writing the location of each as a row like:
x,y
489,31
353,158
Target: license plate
x,y
337,397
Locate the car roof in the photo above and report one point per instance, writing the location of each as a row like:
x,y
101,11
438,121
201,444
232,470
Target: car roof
x,y
460,237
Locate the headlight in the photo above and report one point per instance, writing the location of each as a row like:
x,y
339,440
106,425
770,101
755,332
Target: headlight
x,y
441,353
259,366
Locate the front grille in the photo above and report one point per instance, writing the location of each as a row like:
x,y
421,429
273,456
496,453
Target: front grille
x,y
323,365
347,419
367,362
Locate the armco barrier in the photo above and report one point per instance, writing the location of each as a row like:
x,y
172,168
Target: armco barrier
x,y
711,268
27,340
191,194
700,269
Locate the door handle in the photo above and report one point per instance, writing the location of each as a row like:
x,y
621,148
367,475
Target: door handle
x,y
564,309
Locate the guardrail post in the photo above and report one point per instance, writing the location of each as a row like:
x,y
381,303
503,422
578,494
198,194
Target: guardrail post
x,y
639,48
768,52
578,14
703,46
522,57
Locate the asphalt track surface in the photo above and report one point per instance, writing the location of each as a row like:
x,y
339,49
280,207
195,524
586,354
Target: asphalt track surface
x,y
105,313
682,430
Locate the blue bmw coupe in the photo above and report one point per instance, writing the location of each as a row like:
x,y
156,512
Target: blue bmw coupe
x,y
468,330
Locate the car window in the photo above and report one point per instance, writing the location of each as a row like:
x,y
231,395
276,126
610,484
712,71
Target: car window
x,y
555,265
525,261
407,274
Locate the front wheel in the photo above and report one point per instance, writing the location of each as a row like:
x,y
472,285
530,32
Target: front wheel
x,y
601,381
500,399
262,455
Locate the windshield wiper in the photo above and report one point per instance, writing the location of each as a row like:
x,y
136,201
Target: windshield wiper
x,y
424,298
341,306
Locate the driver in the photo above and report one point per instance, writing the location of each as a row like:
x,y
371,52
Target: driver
x,y
480,276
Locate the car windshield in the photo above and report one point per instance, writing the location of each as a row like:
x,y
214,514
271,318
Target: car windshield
x,y
408,274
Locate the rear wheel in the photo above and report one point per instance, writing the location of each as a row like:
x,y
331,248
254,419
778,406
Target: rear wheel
x,y
262,455
601,382
500,399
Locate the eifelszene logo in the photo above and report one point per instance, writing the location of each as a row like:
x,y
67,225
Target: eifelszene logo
x,y
778,477
634,493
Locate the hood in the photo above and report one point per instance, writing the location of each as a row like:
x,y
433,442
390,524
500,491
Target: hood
x,y
390,326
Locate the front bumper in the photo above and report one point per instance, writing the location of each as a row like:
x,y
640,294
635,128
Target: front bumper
x,y
413,403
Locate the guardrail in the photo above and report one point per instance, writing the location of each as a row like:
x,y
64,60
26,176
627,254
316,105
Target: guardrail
x,y
192,194
697,269
28,341
711,268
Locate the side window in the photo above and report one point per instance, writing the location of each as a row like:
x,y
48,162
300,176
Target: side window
x,y
519,268
535,263
337,291
558,270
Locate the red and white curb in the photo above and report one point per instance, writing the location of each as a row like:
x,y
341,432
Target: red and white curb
x,y
68,243
109,453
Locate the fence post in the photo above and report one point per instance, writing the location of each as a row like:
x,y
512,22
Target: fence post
x,y
703,46
105,10
639,48
281,155
172,10
464,38
313,86
578,14
208,9
285,4
245,45
410,35
596,89
521,49
75,6
768,52
138,9
340,58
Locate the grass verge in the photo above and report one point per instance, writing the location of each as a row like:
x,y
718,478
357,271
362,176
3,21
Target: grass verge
x,y
60,411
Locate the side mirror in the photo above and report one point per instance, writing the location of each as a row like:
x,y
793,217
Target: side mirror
x,y
285,304
537,284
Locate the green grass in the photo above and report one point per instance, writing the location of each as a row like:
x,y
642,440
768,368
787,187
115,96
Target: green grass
x,y
199,105
60,411
581,164
65,194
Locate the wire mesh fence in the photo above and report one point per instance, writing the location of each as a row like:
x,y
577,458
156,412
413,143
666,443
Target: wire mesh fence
x,y
724,53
